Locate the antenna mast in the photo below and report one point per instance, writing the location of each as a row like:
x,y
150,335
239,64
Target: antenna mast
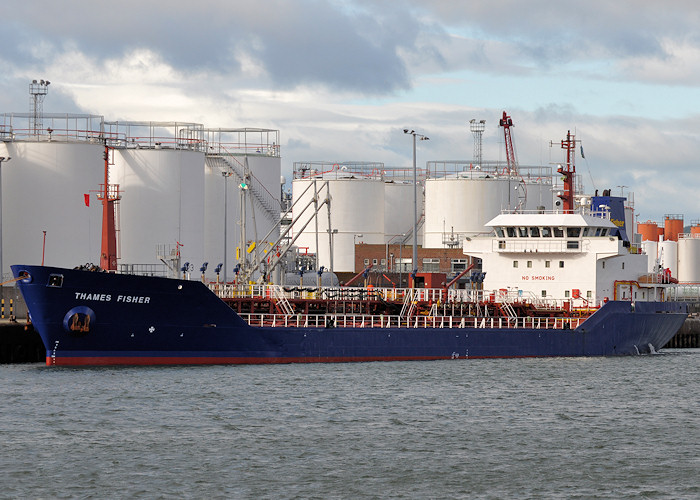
x,y
568,172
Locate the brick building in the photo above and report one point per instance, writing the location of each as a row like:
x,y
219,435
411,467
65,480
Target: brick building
x,y
391,264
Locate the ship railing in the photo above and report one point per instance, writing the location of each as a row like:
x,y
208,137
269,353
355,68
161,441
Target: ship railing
x,y
406,295
330,321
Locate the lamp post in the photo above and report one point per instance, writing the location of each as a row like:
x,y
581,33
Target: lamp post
x,y
332,234
2,159
354,251
226,174
387,249
415,196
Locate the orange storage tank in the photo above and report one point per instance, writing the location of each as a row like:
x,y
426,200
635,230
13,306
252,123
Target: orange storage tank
x,y
673,225
695,229
649,230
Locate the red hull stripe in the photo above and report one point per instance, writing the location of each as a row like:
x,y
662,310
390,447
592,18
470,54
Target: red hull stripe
x,y
130,360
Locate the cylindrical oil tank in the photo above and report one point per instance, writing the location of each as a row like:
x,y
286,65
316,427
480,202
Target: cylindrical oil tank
x,y
695,227
162,203
222,194
357,214
44,189
458,205
649,230
651,249
673,226
398,197
689,259
668,256
538,194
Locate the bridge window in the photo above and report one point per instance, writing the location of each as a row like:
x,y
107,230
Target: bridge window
x,y
546,232
511,232
522,232
499,232
535,232
573,232
558,232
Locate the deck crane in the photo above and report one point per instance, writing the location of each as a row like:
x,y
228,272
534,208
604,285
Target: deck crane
x,y
507,122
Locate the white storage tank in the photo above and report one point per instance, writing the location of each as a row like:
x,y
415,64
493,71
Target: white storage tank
x,y
43,189
689,258
651,249
668,255
463,204
264,192
538,194
398,208
357,208
162,194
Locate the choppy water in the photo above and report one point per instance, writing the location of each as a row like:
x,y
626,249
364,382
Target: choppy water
x,y
531,428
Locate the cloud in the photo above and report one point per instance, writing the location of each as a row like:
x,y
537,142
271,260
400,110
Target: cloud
x,y
342,78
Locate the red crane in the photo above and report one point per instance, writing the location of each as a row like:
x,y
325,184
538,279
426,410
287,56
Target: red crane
x,y
507,122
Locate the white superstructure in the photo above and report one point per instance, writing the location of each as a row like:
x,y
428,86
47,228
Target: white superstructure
x,y
562,256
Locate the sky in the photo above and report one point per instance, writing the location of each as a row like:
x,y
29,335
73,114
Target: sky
x,y
341,79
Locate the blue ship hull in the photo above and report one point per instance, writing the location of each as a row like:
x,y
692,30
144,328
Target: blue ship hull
x,y
96,318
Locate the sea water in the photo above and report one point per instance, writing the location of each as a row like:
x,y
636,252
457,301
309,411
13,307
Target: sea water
x,y
623,427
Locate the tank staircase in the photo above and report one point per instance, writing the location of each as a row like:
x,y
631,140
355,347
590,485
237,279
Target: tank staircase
x,y
230,162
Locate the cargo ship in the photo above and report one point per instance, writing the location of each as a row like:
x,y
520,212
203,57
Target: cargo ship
x,y
566,282
93,317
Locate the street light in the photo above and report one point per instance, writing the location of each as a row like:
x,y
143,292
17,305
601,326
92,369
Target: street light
x,y
354,251
2,159
332,234
415,196
387,249
226,174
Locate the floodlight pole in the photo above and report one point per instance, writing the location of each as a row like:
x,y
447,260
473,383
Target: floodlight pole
x,y
415,197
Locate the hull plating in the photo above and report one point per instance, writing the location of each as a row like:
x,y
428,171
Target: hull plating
x,y
88,318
